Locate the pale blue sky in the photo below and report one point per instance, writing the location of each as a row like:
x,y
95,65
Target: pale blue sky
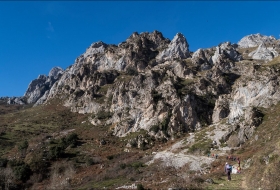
x,y
36,36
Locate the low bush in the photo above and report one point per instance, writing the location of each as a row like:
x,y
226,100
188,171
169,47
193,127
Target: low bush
x,y
103,115
21,170
3,162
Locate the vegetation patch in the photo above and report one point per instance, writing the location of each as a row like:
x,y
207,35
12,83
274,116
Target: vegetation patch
x,y
183,86
201,147
103,115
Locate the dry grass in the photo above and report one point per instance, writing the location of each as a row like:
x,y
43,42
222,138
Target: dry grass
x,y
113,167
275,61
246,51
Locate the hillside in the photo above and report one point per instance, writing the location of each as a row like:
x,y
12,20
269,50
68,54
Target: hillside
x,y
147,113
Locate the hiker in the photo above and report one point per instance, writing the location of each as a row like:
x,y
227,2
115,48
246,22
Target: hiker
x,y
216,156
238,160
238,170
208,155
228,169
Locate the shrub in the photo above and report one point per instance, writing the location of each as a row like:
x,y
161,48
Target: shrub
x,y
55,152
22,172
132,71
140,187
20,169
103,115
22,147
3,162
72,140
154,128
89,161
92,160
137,165
38,165
203,147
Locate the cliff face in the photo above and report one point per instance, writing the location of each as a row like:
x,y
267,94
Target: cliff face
x,y
149,82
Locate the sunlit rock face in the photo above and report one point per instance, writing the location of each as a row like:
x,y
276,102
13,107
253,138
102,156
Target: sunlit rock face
x,y
40,86
255,40
177,49
155,84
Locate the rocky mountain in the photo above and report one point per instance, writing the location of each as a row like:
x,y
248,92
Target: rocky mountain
x,y
148,111
149,82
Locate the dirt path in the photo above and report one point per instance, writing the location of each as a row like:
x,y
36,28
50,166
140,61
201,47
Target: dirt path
x,y
243,183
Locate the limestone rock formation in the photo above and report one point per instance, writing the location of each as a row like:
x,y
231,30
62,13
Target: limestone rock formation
x,y
260,90
202,58
151,83
178,48
226,50
255,40
16,100
38,87
264,53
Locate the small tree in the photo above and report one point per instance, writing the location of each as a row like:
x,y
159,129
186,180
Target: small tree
x,y
55,152
72,140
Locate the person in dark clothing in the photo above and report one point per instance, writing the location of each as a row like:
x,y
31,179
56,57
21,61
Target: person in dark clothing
x,y
228,171
238,160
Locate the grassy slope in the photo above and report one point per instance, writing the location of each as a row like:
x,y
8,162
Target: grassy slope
x,y
18,123
37,124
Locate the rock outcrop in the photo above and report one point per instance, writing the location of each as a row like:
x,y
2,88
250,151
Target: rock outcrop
x,y
151,83
264,53
16,100
40,87
226,51
177,49
202,58
255,40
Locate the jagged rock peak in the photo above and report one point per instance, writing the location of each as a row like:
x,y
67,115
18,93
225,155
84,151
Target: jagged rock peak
x,y
55,72
155,34
42,77
255,40
178,48
155,37
38,87
94,48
